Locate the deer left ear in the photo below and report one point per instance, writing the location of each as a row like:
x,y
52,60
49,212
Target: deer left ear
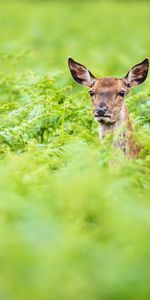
x,y
80,73
138,73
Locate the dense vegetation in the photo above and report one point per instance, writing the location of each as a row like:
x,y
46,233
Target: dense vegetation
x,y
72,226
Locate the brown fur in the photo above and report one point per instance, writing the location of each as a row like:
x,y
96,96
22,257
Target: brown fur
x,y
119,117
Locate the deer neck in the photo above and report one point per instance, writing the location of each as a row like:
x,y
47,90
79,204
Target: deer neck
x,y
122,121
125,138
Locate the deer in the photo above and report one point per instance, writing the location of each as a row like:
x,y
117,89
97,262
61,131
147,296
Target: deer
x,y
108,101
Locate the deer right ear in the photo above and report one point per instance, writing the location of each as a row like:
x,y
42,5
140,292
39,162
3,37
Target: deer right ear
x,y
138,73
80,73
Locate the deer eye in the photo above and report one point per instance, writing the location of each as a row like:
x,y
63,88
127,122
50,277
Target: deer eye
x,y
122,93
91,93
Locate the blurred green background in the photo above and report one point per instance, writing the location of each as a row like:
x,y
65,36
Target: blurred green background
x,y
72,225
108,36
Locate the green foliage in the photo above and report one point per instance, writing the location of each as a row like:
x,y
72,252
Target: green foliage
x,y
42,112
74,213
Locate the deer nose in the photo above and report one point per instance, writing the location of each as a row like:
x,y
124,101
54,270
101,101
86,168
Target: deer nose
x,y
100,111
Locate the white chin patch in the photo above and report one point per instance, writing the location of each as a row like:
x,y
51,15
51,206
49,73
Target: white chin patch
x,y
102,119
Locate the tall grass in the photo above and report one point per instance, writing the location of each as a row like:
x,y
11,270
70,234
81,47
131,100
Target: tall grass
x,y
73,225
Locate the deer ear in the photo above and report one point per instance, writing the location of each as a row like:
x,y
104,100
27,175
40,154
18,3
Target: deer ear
x,y
138,73
80,73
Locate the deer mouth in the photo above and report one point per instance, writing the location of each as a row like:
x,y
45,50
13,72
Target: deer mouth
x,y
104,119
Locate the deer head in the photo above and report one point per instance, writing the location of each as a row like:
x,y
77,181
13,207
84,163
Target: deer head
x,y
108,93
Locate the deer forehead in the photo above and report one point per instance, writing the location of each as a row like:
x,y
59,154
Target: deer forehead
x,y
108,84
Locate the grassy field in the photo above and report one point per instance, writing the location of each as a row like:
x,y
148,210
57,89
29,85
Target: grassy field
x,y
71,226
